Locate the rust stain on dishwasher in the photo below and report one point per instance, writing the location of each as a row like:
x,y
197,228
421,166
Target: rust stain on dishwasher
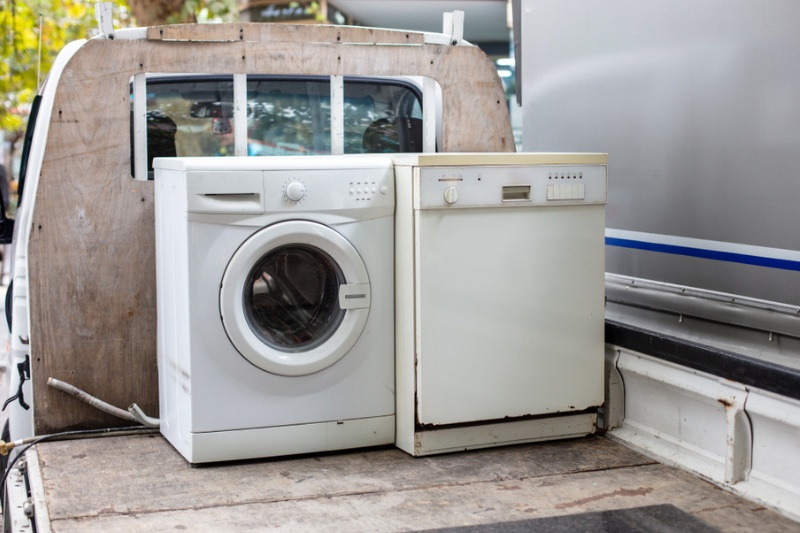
x,y
725,402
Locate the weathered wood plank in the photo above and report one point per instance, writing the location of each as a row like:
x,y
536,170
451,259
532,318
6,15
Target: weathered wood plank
x,y
254,32
383,490
72,473
92,253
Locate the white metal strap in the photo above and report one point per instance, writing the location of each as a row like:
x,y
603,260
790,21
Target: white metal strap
x,y
428,115
140,126
337,115
240,114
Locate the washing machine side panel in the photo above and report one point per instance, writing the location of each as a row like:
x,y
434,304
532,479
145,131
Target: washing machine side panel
x,y
172,289
405,364
229,393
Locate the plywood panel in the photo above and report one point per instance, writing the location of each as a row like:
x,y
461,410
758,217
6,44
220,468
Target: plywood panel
x,y
92,252
282,32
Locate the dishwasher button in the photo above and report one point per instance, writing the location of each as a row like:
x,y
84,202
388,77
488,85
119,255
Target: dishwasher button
x,y
451,195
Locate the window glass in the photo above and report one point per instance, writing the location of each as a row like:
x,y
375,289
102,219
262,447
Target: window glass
x,y
381,118
193,116
189,117
288,117
293,117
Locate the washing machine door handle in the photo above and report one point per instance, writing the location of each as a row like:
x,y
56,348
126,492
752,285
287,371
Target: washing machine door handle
x,y
354,296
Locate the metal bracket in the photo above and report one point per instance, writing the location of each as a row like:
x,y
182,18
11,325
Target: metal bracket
x,y
454,26
103,13
19,505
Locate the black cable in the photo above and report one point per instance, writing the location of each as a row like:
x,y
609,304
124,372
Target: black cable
x,y
37,440
9,303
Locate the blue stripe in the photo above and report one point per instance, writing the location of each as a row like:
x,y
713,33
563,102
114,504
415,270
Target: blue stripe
x,y
783,264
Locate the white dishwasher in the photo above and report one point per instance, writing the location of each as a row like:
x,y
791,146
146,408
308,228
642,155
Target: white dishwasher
x,y
499,298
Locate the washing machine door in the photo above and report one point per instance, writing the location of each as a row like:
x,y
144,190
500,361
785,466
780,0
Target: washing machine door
x,y
295,298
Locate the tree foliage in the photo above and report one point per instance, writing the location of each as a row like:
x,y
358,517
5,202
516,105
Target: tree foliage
x,y
34,31
158,12
54,23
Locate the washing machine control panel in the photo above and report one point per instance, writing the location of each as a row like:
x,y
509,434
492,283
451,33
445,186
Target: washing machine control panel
x,y
323,191
246,190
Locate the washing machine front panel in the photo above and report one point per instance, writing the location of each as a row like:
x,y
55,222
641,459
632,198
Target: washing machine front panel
x,y
294,298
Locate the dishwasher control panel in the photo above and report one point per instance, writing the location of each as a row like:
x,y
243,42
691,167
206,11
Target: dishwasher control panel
x,y
511,186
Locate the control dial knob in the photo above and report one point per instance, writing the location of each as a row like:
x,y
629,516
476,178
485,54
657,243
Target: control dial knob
x,y
451,195
295,191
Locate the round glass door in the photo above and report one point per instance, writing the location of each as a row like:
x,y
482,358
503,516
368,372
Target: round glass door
x,y
294,298
291,298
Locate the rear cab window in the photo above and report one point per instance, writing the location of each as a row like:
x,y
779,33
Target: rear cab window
x,y
286,115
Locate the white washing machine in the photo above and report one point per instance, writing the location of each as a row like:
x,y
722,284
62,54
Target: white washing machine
x,y
500,298
275,304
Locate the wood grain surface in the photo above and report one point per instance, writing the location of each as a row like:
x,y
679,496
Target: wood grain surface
x,y
140,483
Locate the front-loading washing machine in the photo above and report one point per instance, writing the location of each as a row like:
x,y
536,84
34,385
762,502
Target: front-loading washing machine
x,y
275,304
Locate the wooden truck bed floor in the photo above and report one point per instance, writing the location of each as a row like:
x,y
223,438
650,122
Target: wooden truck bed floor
x,y
140,483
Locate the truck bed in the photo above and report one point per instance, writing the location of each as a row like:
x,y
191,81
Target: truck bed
x,y
140,483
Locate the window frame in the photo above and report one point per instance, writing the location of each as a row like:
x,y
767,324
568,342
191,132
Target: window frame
x,y
140,83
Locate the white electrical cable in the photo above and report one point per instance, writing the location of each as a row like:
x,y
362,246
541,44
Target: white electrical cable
x,y
134,412
91,400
